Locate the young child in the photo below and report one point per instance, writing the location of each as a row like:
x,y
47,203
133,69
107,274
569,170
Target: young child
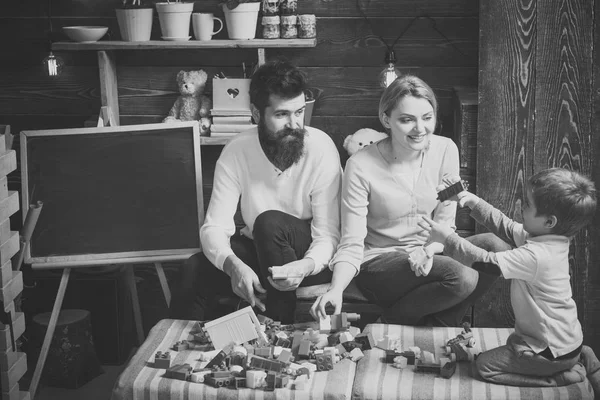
x,y
545,348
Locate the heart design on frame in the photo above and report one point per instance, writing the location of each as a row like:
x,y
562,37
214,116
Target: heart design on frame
x,y
233,92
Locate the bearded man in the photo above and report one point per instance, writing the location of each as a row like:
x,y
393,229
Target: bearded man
x,y
286,178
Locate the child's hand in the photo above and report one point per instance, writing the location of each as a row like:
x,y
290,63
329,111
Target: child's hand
x,y
467,199
437,232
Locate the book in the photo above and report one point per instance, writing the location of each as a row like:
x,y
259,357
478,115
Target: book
x,y
230,128
237,120
230,113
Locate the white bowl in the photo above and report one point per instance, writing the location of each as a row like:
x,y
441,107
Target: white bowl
x,y
85,34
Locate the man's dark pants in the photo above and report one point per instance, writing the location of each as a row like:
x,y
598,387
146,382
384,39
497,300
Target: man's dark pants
x,y
279,238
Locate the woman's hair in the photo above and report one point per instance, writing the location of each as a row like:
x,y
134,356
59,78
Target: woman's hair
x,y
566,194
277,77
406,85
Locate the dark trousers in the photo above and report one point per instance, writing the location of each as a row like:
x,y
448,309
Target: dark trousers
x,y
279,238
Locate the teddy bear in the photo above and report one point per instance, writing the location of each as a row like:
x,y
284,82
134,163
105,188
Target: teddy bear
x,y
192,104
362,138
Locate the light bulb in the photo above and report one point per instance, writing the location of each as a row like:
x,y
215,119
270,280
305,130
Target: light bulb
x,y
53,65
388,75
390,72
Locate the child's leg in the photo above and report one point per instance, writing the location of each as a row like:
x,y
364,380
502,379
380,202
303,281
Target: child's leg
x,y
515,364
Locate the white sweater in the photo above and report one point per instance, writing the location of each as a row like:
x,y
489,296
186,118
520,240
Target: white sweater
x,y
308,190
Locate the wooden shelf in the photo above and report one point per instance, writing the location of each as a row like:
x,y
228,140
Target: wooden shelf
x,y
191,44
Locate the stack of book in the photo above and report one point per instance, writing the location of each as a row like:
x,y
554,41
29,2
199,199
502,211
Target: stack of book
x,y
226,123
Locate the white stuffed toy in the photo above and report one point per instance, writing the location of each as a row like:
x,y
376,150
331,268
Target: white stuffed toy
x,y
362,138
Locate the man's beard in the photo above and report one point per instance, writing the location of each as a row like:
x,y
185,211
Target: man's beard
x,y
283,148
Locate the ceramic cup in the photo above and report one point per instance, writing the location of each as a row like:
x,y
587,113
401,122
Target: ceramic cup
x,y
204,25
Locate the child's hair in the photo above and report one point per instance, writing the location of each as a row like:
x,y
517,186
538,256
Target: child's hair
x,y
568,195
406,85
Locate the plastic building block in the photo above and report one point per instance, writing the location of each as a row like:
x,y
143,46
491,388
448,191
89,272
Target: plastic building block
x,y
349,346
391,354
301,382
346,337
217,360
324,362
325,324
284,273
427,367
466,337
255,378
265,352
356,354
400,362
452,190
366,339
179,371
221,374
238,327
162,360
218,382
389,342
180,345
448,370
285,356
198,376
304,350
239,382
410,357
460,352
265,364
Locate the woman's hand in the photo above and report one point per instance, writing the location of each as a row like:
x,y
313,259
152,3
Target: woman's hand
x,y
467,199
333,297
297,271
421,261
437,232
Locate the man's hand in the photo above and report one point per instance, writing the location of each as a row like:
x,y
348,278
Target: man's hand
x,y
467,199
333,297
437,232
244,281
297,270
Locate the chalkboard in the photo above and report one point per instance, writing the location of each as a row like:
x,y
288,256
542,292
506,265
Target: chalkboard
x,y
113,194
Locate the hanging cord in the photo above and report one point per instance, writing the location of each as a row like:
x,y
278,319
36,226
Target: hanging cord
x,y
49,10
391,48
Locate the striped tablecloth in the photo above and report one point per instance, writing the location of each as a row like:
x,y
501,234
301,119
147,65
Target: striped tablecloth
x,y
141,381
377,380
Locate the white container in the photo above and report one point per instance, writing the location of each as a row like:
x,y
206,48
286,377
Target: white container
x,y
241,21
135,24
175,20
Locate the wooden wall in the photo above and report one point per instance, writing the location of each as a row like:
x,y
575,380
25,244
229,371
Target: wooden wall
x,y
539,108
342,68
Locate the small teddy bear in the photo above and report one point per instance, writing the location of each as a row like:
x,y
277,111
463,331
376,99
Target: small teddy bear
x,y
362,138
192,104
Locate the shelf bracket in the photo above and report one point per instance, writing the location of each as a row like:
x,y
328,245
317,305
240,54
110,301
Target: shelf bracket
x,y
261,55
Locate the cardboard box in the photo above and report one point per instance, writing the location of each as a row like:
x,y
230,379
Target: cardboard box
x,y
231,94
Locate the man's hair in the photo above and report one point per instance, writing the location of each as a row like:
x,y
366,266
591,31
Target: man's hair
x,y
406,85
568,195
277,77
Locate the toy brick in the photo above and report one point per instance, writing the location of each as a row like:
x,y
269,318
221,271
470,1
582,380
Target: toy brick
x,y
285,355
13,288
6,273
180,345
8,359
18,328
217,360
400,362
9,308
9,205
366,339
324,362
9,248
349,346
255,378
217,382
11,377
284,273
325,324
296,343
5,232
304,350
239,327
179,371
448,370
239,382
8,162
12,394
221,374
390,355
452,190
162,360
410,357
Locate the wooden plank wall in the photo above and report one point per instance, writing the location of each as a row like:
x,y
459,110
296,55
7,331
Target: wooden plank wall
x,y
536,111
342,68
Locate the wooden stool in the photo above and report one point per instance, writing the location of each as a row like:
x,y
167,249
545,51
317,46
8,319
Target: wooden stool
x,y
72,359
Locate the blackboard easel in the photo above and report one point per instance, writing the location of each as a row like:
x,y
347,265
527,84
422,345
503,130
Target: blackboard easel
x,y
112,195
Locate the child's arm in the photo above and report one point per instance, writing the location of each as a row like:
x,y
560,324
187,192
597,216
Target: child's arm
x,y
498,223
454,246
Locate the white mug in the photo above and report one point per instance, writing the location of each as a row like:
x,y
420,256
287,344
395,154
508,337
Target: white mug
x,y
204,24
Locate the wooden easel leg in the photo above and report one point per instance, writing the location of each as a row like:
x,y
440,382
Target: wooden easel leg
x,y
37,373
135,303
163,282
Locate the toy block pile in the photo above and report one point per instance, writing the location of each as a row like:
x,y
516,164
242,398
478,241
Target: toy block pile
x,y
256,352
456,349
13,364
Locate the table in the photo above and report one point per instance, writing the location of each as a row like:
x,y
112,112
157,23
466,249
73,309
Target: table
x,y
377,380
141,381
